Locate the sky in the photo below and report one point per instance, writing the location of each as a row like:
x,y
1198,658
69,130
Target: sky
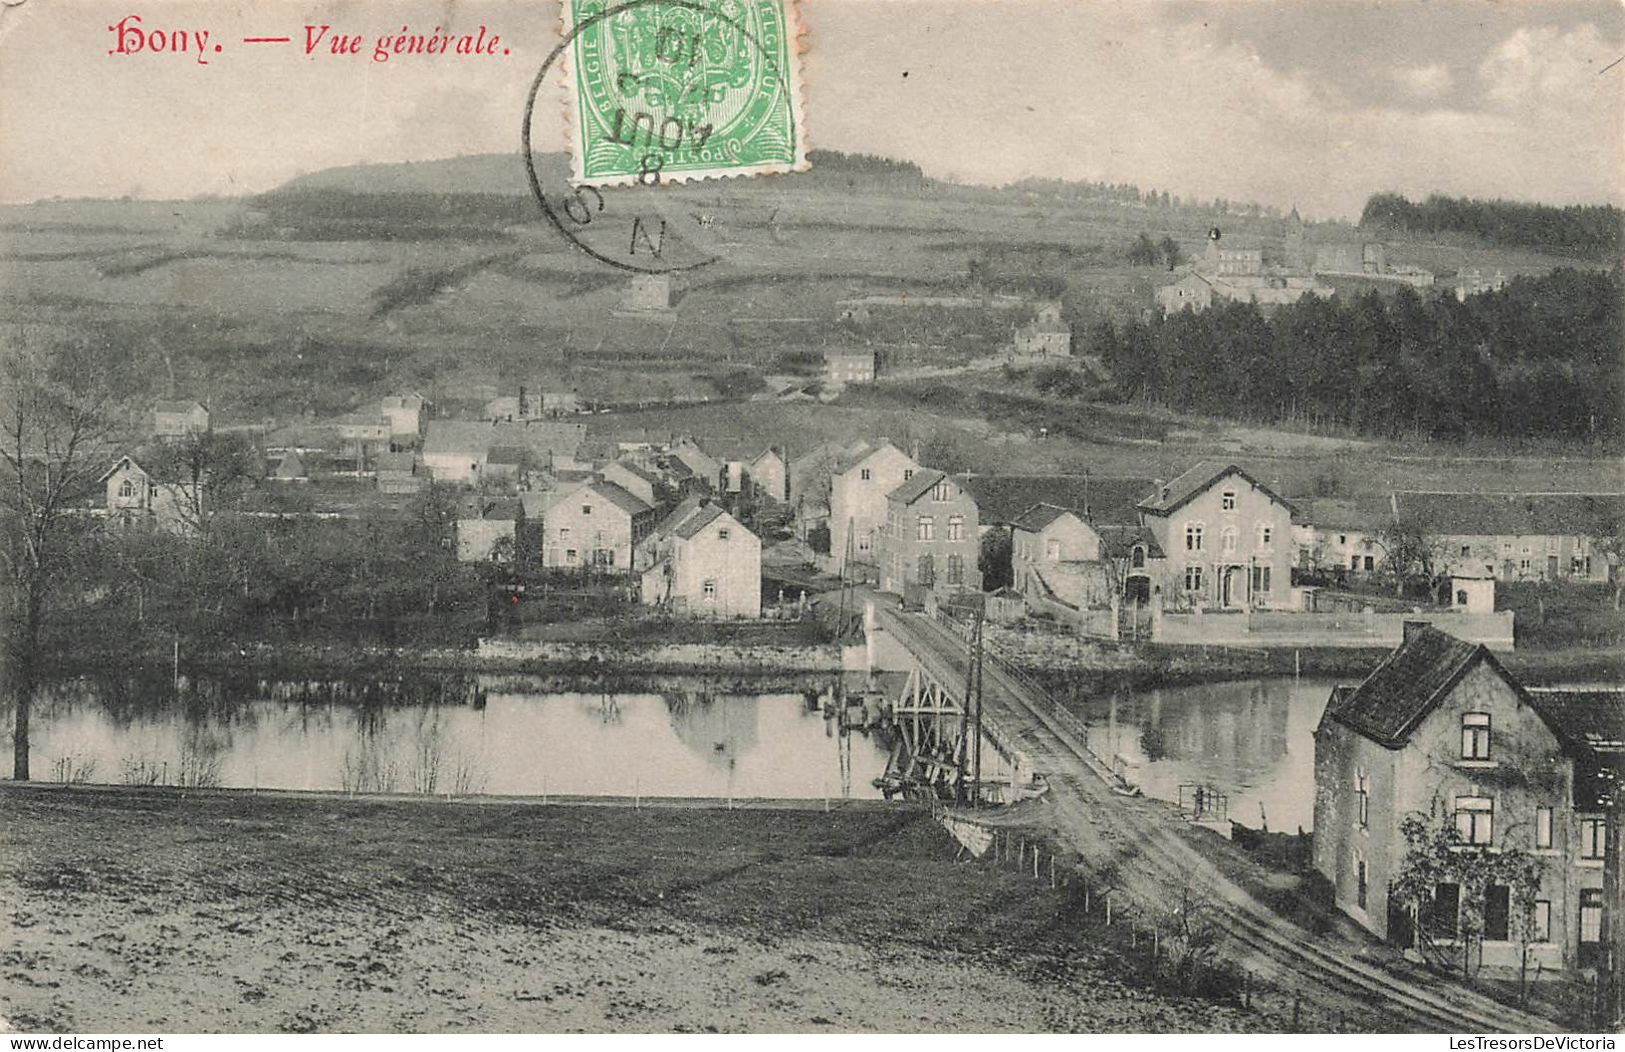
x,y
1313,103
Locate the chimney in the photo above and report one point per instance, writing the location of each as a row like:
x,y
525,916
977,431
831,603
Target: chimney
x,y
1411,629
523,405
1160,486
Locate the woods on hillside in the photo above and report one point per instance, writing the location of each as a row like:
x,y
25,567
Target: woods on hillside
x,y
1588,231
1540,358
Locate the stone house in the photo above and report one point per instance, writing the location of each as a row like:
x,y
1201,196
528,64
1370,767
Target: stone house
x,y
139,499
598,525
1440,731
850,367
931,539
1339,536
859,483
1228,539
1516,536
397,473
637,480
457,451
363,437
1056,554
1047,335
406,418
704,563
488,530
176,418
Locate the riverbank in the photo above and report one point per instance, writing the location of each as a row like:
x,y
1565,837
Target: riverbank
x,y
141,910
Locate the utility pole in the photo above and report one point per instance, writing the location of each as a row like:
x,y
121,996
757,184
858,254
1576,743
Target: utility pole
x,y
976,755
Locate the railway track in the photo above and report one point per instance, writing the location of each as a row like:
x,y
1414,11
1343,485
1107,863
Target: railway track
x,y
1272,945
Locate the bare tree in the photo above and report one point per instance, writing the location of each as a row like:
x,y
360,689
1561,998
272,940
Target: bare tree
x,y
55,441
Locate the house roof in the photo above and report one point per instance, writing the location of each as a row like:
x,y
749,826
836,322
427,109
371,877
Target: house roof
x,y
911,490
1119,539
860,451
699,520
1369,513
477,437
1196,481
1039,516
1590,718
636,470
507,508
1411,680
675,517
1513,514
1002,498
178,405
619,497
395,462
505,455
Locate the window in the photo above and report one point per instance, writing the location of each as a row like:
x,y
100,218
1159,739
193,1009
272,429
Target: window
x,y
1523,565
926,529
863,473
1497,912
956,569
586,509
1261,578
1540,922
722,534
1193,578
1370,563
708,590
1342,538
570,556
1227,539
1266,535
1052,550
1361,882
1593,838
1591,915
1506,547
1227,500
1354,562
564,534
956,527
908,473
863,542
1137,557
1543,828
1475,736
1193,536
126,488
927,574
1461,597
942,492
1466,551
1445,911
1362,800
1475,819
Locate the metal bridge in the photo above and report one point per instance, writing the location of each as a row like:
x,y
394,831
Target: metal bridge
x,y
1032,746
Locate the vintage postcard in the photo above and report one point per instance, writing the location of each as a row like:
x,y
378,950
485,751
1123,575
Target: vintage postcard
x,y
924,517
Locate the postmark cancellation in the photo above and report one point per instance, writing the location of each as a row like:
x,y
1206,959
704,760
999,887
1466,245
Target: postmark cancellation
x,y
674,90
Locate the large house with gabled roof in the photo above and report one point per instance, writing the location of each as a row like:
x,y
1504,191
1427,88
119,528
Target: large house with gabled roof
x,y
860,480
931,540
703,562
1227,537
1441,731
1518,536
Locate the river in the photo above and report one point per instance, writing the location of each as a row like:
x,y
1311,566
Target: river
x,y
445,734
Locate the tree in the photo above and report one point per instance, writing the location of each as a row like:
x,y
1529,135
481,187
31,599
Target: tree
x,y
55,442
994,559
1436,854
1408,554
1143,252
1168,248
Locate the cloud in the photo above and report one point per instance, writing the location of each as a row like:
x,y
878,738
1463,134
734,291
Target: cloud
x,y
1428,81
1546,67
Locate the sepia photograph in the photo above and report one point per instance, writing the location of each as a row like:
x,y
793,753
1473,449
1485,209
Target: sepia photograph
x,y
860,517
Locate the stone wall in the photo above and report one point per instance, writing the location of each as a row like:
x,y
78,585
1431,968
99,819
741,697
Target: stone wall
x,y
1269,628
634,655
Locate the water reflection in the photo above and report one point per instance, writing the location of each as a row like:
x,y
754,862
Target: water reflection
x,y
1251,740
444,734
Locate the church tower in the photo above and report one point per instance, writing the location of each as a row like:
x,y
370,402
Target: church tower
x,y
1297,251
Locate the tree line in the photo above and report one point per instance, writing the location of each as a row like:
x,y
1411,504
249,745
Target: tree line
x,y
1588,231
1538,359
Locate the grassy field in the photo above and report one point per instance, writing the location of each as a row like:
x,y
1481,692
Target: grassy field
x,y
133,911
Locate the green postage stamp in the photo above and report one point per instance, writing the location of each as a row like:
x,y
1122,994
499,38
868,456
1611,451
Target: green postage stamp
x,y
671,90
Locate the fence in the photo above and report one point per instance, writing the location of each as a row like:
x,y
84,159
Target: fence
x,y
1173,938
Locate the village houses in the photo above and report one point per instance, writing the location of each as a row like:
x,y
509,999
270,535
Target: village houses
x,y
703,562
597,525
406,417
487,530
177,418
1228,539
139,499
1517,536
931,540
860,481
1046,336
1440,731
849,366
